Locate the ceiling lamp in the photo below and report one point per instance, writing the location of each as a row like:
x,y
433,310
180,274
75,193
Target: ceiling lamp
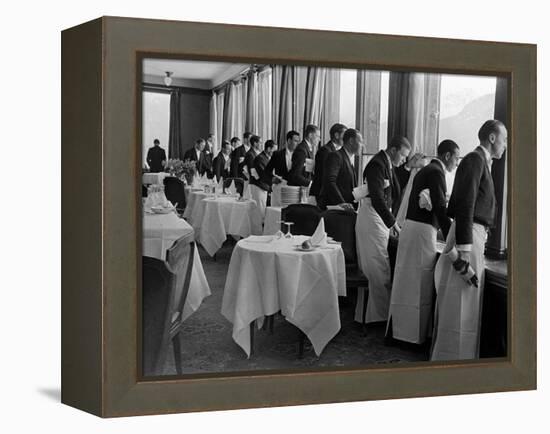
x,y
168,78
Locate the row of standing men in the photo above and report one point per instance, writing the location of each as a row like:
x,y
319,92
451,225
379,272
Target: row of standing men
x,y
329,172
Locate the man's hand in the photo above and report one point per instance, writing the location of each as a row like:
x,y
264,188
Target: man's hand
x,y
346,206
415,161
395,230
277,179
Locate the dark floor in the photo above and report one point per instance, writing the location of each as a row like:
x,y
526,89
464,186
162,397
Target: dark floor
x,y
207,345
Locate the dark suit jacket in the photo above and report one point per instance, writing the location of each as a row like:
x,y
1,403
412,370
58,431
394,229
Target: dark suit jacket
x,y
298,175
236,166
377,171
155,156
473,197
278,164
260,164
191,154
431,177
249,161
339,179
219,167
208,163
320,158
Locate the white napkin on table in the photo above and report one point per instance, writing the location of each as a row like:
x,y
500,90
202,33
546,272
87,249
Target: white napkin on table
x,y
424,200
319,237
360,192
219,187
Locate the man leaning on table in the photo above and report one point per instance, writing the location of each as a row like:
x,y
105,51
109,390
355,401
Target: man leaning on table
x,y
340,177
410,312
374,223
459,290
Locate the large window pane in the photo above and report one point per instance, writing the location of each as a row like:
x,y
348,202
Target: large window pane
x,y
348,97
384,97
156,120
466,102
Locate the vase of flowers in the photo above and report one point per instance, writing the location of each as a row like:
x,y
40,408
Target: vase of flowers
x,y
184,170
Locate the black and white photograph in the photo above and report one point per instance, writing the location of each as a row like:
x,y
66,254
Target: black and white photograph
x,y
309,217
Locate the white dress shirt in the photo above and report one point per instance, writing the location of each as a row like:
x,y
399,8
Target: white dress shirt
x,y
288,156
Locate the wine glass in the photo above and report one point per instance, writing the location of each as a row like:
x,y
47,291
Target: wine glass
x,y
288,234
279,234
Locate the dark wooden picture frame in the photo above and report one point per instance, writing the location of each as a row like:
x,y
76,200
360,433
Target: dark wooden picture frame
x,y
101,225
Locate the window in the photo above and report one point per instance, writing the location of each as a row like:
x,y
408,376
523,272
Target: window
x,y
466,102
348,97
384,99
156,120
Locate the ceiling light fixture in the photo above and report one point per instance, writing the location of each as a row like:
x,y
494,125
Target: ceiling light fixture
x,y
168,78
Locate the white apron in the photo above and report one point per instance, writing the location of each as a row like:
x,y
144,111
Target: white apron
x,y
413,283
258,213
372,237
457,321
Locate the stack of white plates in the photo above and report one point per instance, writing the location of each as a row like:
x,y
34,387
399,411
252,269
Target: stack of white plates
x,y
289,195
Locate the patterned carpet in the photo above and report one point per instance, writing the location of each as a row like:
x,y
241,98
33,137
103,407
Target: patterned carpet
x,y
207,345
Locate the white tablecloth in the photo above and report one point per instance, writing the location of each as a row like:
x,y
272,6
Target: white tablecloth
x,y
216,218
194,197
272,219
267,276
160,231
154,178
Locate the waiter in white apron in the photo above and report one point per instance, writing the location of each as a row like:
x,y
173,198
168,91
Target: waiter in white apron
x,y
459,291
372,230
413,282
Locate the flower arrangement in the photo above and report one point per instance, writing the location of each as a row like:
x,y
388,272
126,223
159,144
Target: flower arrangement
x,y
181,169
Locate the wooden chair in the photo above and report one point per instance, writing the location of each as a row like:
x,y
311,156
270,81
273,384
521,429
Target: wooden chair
x,y
174,190
304,216
165,288
340,225
239,184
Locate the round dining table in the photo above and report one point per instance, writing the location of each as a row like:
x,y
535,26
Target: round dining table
x,y
162,231
269,274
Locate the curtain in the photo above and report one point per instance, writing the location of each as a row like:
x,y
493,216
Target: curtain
x,y
251,95
214,123
175,145
330,108
220,97
368,108
314,96
264,105
414,109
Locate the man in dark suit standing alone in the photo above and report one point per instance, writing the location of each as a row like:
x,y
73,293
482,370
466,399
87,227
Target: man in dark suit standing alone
x,y
339,173
412,289
374,222
473,207
196,154
156,157
302,158
335,143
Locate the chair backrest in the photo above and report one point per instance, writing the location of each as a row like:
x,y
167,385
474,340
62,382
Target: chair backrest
x,y
157,282
143,191
165,288
340,225
174,190
304,216
239,184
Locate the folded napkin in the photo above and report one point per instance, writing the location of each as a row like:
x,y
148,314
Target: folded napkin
x,y
196,180
276,195
360,192
424,200
219,187
319,237
246,191
254,173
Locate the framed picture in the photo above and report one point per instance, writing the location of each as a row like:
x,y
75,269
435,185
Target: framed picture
x,y
259,217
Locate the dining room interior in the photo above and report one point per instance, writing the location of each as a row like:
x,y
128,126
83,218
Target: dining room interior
x,y
249,261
